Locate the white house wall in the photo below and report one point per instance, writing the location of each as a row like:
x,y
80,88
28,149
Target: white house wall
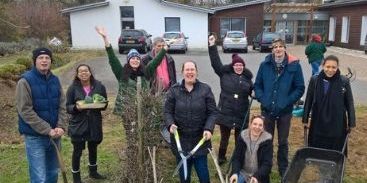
x,y
148,14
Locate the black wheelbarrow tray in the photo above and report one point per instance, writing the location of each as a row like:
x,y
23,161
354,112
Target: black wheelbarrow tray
x,y
328,166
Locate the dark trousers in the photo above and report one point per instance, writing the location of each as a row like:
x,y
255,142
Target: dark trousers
x,y
225,133
282,124
77,153
201,166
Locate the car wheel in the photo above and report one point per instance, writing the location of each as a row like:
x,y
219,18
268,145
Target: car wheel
x,y
245,50
365,51
121,51
261,49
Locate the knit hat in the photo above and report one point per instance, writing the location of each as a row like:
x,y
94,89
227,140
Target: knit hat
x,y
237,59
41,51
316,38
133,53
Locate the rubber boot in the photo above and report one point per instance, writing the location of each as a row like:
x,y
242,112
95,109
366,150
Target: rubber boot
x,y
76,177
93,172
222,156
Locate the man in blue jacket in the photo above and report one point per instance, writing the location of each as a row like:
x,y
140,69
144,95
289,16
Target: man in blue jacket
x,y
41,108
279,84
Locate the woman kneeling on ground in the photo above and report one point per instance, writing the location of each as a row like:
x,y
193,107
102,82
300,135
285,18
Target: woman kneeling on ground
x,y
252,159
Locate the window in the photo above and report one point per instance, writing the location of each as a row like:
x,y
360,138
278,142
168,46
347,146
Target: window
x,y
172,24
363,30
127,17
232,24
332,25
345,30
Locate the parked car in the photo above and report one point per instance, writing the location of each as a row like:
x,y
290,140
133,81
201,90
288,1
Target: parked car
x,y
263,40
135,38
177,41
235,40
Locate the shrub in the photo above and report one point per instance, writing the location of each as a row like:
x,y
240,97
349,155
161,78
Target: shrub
x,y
58,61
27,62
63,48
7,48
11,71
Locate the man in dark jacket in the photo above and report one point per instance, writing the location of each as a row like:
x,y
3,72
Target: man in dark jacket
x,y
165,74
279,84
41,110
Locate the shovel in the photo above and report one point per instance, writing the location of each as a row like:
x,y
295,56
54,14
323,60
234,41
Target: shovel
x,y
61,161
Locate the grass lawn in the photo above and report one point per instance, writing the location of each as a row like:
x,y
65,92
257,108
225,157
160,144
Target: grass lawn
x,y
14,165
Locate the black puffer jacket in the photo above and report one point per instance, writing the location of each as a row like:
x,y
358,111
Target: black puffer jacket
x,y
235,90
192,112
84,125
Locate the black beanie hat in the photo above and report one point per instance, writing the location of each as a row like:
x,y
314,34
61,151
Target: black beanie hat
x,y
41,51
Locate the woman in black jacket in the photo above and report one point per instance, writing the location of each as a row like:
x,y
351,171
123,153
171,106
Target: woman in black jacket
x,y
85,124
253,144
190,108
330,99
236,87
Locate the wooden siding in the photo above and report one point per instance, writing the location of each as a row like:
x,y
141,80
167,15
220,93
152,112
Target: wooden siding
x,y
355,14
254,15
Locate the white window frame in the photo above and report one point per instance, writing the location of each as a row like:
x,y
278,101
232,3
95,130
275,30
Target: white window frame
x,y
345,29
332,26
363,30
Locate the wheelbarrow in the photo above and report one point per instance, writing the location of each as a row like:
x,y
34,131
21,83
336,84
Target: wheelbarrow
x,y
316,165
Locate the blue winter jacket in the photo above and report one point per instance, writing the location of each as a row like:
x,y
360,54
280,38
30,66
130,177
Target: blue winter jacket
x,y
278,93
46,93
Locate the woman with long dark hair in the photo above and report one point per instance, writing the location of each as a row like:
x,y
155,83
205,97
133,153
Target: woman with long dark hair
x,y
85,125
126,75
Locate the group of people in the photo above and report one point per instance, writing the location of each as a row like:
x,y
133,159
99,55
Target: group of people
x,y
189,109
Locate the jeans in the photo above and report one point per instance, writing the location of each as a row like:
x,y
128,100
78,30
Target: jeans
x,y
283,124
42,159
241,179
315,65
201,166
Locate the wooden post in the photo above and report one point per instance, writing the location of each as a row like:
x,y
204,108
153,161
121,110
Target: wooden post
x,y
140,129
273,18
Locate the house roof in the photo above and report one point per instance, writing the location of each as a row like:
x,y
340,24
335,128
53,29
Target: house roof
x,y
184,6
341,3
106,3
237,5
85,7
289,7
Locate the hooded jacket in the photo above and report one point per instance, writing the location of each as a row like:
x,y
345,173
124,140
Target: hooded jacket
x,y
278,92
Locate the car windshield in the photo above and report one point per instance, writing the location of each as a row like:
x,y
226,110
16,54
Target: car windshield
x,y
131,33
171,35
235,35
271,36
